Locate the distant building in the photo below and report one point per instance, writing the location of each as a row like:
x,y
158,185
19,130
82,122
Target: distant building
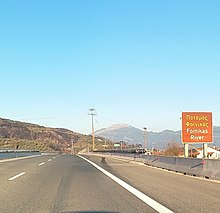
x,y
213,153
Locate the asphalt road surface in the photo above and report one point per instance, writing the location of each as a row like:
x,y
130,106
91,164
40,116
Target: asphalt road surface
x,y
68,183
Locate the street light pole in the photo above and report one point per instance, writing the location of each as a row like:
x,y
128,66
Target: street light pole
x,y
71,145
145,137
92,113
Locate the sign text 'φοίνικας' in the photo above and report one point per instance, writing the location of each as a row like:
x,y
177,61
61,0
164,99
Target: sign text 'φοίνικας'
x,y
196,127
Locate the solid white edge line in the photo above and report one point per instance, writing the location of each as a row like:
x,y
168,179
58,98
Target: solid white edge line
x,y
16,176
41,164
149,201
20,158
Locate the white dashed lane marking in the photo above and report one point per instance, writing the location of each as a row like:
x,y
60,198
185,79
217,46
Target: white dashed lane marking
x,y
17,176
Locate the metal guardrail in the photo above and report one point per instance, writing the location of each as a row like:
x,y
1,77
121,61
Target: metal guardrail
x,y
5,154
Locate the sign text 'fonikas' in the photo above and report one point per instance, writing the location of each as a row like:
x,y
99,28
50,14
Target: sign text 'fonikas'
x,y
196,127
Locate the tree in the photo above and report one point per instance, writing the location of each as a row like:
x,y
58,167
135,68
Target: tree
x,y
173,149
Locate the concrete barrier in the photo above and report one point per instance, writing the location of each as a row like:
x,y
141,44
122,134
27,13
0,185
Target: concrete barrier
x,y
207,168
211,168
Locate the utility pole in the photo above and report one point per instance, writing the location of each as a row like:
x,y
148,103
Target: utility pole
x,y
145,137
71,145
92,112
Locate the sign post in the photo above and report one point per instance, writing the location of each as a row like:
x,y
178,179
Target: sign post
x,y
205,150
186,150
196,128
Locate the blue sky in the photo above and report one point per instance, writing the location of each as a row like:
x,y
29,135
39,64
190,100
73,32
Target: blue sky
x,y
135,62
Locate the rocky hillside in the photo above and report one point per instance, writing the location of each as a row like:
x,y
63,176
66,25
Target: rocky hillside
x,y
15,134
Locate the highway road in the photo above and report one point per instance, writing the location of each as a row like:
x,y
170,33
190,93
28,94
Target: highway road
x,y
68,183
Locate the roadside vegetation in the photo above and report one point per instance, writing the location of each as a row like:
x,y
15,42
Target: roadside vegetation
x,y
173,149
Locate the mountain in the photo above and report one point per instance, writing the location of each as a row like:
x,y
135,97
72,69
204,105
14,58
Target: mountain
x,y
132,135
15,134
121,132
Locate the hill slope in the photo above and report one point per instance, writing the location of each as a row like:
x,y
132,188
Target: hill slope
x,y
15,134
